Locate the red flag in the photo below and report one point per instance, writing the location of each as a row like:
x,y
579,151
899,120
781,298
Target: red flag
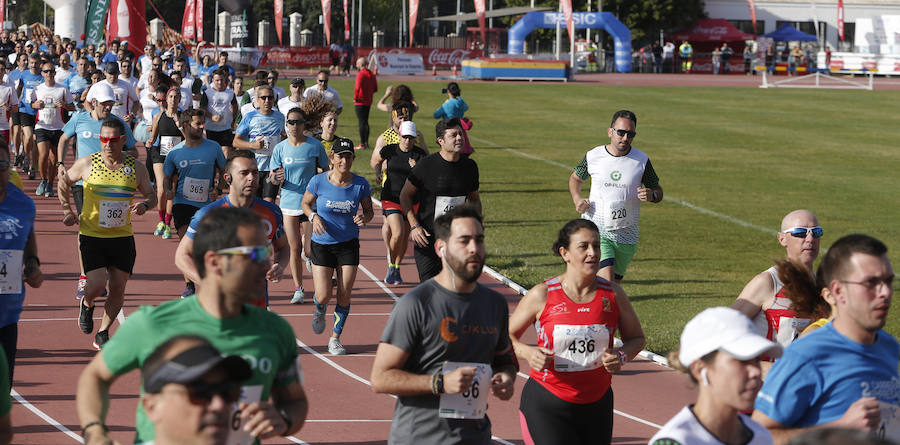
x,y
570,23
841,19
413,15
326,19
279,17
753,14
198,20
187,22
2,11
128,23
479,9
346,22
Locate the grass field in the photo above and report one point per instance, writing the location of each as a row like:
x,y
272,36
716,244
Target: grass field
x,y
748,154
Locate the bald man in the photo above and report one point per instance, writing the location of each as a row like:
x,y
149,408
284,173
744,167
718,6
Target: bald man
x,y
762,300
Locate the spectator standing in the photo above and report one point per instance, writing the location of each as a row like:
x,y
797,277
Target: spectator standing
x,y
657,57
365,87
668,57
727,52
748,60
716,60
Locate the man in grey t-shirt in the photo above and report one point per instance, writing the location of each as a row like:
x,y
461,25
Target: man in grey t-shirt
x,y
446,343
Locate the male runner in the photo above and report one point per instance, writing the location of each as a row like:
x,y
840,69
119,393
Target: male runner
x,y
321,87
221,108
105,235
50,100
296,97
127,102
28,81
260,130
233,259
196,162
442,381
621,178
9,105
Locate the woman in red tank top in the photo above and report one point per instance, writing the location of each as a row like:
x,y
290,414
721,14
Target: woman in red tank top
x,y
568,399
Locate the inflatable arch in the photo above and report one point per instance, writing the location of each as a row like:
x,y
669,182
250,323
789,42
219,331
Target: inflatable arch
x,y
594,20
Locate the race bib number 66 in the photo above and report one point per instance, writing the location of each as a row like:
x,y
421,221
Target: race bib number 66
x,y
470,404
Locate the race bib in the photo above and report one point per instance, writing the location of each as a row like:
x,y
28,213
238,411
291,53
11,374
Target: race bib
x,y
578,347
46,114
195,189
789,329
269,143
113,213
889,428
10,271
249,394
27,95
617,215
167,143
471,404
444,204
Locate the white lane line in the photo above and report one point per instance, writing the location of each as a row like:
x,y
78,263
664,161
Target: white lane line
x,y
296,440
681,202
44,416
378,282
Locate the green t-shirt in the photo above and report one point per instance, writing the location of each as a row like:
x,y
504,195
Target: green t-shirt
x,y
262,338
5,401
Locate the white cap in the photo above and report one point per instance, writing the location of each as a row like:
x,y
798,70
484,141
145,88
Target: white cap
x,y
723,329
408,128
102,93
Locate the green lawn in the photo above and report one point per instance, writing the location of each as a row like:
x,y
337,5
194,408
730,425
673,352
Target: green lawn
x,y
750,154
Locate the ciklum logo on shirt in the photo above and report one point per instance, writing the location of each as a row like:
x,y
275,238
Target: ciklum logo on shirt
x,y
449,329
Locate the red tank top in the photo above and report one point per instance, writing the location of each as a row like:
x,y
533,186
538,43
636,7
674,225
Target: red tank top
x,y
778,322
577,334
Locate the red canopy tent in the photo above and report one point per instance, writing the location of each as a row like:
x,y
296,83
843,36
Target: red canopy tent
x,y
707,34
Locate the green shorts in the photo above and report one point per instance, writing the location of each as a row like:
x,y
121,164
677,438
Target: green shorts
x,y
620,253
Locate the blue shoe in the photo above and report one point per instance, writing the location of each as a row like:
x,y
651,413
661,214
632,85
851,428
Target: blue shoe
x,y
389,277
397,278
318,320
41,188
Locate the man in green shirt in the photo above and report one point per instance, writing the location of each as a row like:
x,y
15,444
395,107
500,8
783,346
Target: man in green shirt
x,y
232,257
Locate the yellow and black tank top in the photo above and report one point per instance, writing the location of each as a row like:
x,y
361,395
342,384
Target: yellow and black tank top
x,y
107,199
391,136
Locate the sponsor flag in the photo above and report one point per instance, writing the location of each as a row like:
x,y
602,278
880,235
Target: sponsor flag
x,y
326,20
347,22
840,21
479,10
570,23
95,22
279,18
129,23
413,15
2,11
187,22
198,20
752,5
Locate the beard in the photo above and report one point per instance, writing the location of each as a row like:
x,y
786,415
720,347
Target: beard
x,y
463,269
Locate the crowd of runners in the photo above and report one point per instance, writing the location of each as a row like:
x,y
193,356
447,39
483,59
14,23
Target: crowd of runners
x,y
256,184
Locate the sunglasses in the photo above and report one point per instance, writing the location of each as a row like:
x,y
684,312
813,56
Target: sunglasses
x,y
801,232
110,140
203,393
294,121
157,66
48,71
257,254
623,133
322,81
267,97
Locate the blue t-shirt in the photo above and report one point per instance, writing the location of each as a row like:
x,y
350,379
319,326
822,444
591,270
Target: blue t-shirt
x,y
269,212
256,124
451,108
14,75
822,374
299,164
196,168
87,129
337,206
76,84
110,57
31,82
17,213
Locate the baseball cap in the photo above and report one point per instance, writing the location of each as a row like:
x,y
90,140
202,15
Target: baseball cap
x,y
103,93
111,68
408,128
341,146
193,363
298,81
723,329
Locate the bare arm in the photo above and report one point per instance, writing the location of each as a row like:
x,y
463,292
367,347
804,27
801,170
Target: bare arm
x,y
154,130
240,142
61,153
863,414
292,401
92,398
80,169
184,259
581,204
757,294
629,325
32,271
388,377
526,313
382,103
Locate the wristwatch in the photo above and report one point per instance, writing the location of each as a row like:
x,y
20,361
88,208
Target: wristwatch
x,y
60,163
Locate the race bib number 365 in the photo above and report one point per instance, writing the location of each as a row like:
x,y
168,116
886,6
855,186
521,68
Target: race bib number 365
x,y
471,404
113,213
578,347
195,189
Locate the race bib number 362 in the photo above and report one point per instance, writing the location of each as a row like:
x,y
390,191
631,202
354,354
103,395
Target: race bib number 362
x,y
113,213
470,404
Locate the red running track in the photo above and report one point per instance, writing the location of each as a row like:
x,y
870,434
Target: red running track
x,y
343,409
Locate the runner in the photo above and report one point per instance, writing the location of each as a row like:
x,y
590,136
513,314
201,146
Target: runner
x,y
336,196
568,397
106,239
400,160
296,160
9,106
127,102
50,100
19,148
439,182
272,79
285,104
196,162
725,369
221,108
233,261
321,88
441,381
79,81
242,177
260,130
328,126
166,130
28,81
401,111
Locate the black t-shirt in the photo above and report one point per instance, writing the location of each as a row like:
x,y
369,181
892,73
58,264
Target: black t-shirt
x,y
441,185
7,48
398,168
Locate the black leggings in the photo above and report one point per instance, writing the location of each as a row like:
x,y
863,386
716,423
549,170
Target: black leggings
x,y
362,115
546,419
9,336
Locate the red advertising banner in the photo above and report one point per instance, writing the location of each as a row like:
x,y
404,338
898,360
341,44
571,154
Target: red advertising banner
x,y
479,9
127,21
187,22
570,23
752,5
840,21
326,20
2,11
346,22
309,56
279,18
413,16
198,20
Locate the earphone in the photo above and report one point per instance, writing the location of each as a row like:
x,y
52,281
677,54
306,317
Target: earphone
x,y
704,377
442,252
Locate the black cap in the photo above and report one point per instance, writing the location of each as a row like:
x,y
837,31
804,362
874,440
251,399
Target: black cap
x,y
111,68
298,81
193,363
341,146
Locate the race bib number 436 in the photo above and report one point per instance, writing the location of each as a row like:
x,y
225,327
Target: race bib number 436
x,y
470,404
578,347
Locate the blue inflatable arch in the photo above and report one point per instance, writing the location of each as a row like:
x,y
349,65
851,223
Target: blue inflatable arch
x,y
593,20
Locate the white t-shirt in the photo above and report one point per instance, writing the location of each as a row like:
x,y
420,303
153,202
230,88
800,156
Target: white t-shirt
x,y
149,105
685,429
330,95
286,104
132,80
8,99
248,107
50,117
187,100
219,102
125,95
62,75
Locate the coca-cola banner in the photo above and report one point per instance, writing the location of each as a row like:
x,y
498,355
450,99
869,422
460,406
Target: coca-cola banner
x,y
307,56
128,23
